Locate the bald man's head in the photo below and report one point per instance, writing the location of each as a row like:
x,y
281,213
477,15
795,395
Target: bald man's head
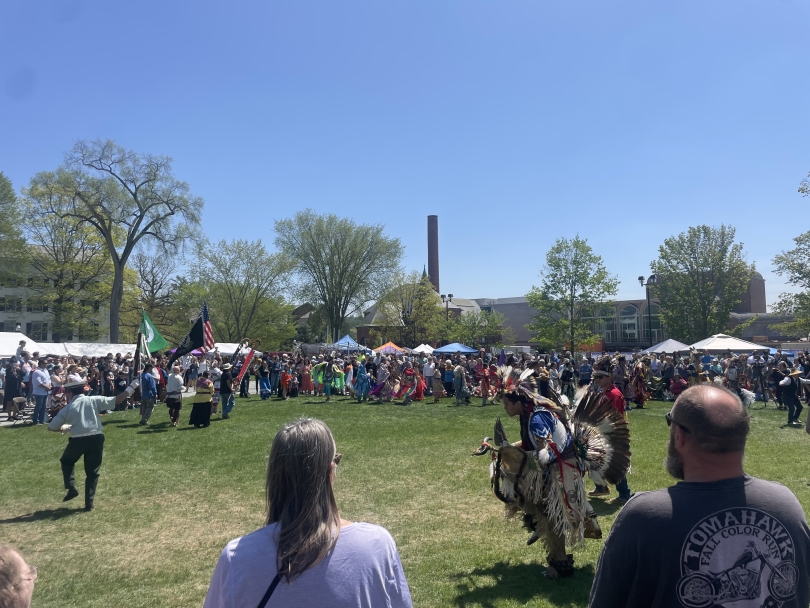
x,y
714,418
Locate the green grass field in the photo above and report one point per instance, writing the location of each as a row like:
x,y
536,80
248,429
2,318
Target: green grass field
x,y
169,499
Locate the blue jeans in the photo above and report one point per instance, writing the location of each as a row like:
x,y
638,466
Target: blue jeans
x,y
273,382
228,401
39,408
623,488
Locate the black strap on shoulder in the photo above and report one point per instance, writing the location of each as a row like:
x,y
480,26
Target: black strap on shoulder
x,y
270,590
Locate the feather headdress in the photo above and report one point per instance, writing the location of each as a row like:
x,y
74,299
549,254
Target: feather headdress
x,y
603,366
513,380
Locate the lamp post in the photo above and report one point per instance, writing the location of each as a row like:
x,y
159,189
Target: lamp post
x,y
651,280
446,299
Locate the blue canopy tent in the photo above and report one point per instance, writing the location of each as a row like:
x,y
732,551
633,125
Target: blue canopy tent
x,y
453,348
346,343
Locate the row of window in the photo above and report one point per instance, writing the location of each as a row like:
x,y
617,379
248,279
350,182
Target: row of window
x,y
629,326
16,281
11,304
38,331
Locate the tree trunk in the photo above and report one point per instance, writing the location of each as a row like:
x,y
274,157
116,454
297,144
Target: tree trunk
x,y
116,297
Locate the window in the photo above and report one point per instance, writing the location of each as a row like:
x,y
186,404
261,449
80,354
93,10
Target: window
x,y
37,304
8,280
628,321
37,331
9,304
654,321
603,324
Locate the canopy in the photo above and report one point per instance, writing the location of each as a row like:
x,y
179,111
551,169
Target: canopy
x,y
667,346
423,349
390,348
229,348
52,348
455,347
10,340
346,343
97,349
722,343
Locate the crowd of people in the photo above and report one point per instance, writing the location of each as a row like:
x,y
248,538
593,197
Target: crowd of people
x,y
306,538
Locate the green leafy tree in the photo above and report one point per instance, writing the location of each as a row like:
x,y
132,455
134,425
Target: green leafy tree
x,y
480,328
574,284
793,265
70,264
700,277
341,265
410,312
12,242
128,199
244,285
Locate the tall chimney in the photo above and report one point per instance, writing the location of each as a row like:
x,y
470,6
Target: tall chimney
x,y
433,250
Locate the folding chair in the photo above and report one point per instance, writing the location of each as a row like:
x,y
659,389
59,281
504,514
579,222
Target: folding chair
x,y
21,402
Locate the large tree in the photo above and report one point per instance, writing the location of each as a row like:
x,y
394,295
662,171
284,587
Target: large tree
x,y
700,277
794,265
410,313
341,265
71,265
127,198
245,286
574,284
479,328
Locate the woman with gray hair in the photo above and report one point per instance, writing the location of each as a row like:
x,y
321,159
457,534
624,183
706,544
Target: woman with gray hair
x,y
307,555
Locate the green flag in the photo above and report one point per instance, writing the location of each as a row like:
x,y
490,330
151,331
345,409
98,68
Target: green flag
x,y
155,341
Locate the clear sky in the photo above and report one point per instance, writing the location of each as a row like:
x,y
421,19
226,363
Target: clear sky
x,y
516,122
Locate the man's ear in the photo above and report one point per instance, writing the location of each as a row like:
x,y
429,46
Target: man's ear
x,y
680,437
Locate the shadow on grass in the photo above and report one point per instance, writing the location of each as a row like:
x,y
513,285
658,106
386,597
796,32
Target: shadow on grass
x,y
50,514
602,507
521,583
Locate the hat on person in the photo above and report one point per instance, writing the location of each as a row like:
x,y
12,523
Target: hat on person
x,y
795,372
74,384
226,367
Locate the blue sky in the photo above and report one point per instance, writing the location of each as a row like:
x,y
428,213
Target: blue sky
x,y
515,122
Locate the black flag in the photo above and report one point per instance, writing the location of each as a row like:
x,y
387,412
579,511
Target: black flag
x,y
194,339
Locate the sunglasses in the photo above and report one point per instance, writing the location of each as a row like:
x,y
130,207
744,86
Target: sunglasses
x,y
670,422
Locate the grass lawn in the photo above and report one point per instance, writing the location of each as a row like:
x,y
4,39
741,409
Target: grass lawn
x,y
169,499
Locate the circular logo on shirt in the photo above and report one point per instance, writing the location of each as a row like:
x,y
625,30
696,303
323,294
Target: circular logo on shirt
x,y
738,557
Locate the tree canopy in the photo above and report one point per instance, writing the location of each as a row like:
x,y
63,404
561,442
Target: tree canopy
x,y
340,264
574,284
245,286
793,265
700,277
127,198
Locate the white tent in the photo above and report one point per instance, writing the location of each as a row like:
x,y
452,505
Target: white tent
x,y
229,348
96,349
52,348
10,340
424,349
722,343
667,346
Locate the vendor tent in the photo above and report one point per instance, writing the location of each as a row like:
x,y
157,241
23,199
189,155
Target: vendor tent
x,y
229,348
720,343
346,343
52,348
667,346
423,349
389,348
97,349
10,340
455,347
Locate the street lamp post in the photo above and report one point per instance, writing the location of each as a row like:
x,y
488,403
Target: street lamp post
x,y
446,299
651,280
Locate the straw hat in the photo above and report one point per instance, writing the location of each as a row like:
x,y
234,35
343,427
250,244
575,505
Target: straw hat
x,y
795,372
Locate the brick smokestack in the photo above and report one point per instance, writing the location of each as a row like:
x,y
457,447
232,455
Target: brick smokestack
x,y
433,250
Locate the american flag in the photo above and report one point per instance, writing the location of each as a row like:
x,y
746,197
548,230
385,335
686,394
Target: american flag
x,y
208,333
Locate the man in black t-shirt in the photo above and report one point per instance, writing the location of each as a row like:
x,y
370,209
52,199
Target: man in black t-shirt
x,y
226,395
717,538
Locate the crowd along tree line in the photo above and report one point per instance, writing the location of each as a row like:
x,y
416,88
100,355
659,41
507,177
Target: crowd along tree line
x,y
112,225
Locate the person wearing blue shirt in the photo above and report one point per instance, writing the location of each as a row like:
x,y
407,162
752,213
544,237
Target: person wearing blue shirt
x,y
585,372
148,393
